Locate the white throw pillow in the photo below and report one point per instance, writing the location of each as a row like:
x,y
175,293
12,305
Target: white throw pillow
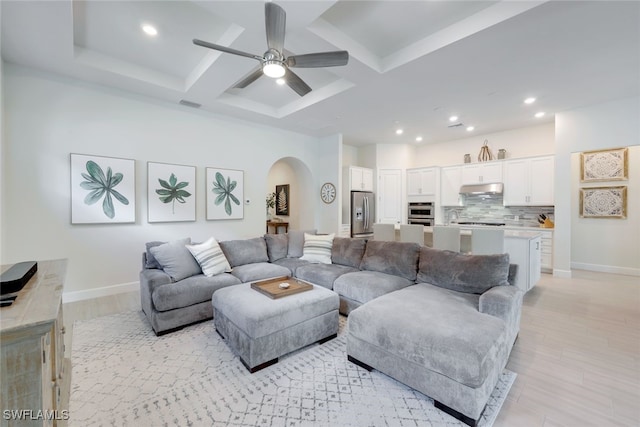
x,y
210,257
317,248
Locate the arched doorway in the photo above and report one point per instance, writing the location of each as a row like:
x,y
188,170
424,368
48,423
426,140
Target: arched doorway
x,y
295,173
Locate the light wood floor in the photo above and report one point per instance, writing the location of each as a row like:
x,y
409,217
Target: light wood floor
x,y
577,355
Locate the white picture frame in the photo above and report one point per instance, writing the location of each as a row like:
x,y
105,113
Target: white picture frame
x,y
225,193
171,192
103,189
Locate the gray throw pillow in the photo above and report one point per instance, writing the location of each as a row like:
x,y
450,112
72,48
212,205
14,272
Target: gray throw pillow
x,y
473,274
296,242
151,261
277,246
176,260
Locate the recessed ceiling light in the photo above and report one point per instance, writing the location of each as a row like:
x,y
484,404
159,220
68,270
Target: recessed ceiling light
x,y
540,114
418,139
280,81
399,131
453,118
470,128
149,30
530,100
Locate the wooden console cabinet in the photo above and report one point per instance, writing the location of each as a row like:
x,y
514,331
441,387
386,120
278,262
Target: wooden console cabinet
x,y
35,374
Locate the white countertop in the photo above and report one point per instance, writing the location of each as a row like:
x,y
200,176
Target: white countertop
x,y
509,231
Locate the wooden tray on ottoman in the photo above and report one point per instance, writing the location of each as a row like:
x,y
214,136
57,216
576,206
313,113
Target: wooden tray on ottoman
x,y
271,287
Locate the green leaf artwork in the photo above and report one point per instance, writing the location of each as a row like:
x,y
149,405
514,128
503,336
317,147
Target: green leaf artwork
x,y
172,191
100,185
224,190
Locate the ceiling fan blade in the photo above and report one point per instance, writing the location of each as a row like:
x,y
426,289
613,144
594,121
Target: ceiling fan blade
x,y
275,23
252,77
226,49
296,83
322,59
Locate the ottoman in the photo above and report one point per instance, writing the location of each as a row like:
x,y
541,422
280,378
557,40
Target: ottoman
x,y
260,329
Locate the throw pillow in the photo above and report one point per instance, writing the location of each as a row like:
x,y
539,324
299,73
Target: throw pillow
x,y
176,260
473,274
150,261
210,257
317,248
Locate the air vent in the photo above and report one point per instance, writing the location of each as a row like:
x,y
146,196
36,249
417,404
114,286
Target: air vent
x,y
457,125
190,104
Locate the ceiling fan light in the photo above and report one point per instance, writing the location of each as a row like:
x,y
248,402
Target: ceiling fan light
x,y
273,69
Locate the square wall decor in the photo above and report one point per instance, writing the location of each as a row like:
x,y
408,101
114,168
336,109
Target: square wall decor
x,y
604,165
171,192
225,193
603,202
102,190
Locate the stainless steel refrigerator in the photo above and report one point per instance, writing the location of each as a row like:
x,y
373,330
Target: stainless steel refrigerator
x,y
363,212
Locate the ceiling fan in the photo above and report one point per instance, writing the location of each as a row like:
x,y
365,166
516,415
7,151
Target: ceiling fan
x,y
273,62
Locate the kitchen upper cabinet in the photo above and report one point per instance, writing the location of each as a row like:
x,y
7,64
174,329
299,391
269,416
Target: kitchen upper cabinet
x,y
529,181
480,173
360,179
450,183
422,182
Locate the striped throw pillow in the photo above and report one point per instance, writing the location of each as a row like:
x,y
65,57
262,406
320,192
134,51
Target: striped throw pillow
x,y
210,257
317,248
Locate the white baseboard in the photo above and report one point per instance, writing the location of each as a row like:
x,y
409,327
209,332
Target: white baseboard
x,y
99,292
563,274
627,271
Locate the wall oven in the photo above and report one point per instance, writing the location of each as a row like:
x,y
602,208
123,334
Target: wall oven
x,y
421,213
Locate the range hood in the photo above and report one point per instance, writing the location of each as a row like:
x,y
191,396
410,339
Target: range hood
x,y
489,189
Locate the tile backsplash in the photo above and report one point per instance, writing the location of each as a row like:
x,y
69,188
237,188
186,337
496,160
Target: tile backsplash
x,y
481,208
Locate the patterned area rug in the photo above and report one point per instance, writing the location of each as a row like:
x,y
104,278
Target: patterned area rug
x,y
123,375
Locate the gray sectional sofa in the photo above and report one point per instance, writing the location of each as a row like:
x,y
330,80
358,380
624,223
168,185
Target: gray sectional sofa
x,y
439,321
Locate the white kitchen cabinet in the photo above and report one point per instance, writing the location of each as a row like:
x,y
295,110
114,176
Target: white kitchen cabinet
x,y
360,179
422,182
546,253
481,173
450,183
529,181
524,249
389,208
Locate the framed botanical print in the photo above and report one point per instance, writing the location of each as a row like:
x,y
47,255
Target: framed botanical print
x,y
225,193
102,190
171,192
603,202
282,200
604,165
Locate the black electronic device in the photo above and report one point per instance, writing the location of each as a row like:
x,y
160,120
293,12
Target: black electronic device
x,y
17,276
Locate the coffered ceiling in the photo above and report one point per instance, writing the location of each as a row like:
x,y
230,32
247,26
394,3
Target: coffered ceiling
x,y
412,64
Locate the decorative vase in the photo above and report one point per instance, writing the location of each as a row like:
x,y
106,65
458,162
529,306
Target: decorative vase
x,y
485,153
502,154
467,158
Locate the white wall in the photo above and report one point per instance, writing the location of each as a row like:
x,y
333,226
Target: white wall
x,y
48,117
523,142
609,245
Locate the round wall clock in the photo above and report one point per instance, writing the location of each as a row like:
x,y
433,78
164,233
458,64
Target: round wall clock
x,y
328,192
